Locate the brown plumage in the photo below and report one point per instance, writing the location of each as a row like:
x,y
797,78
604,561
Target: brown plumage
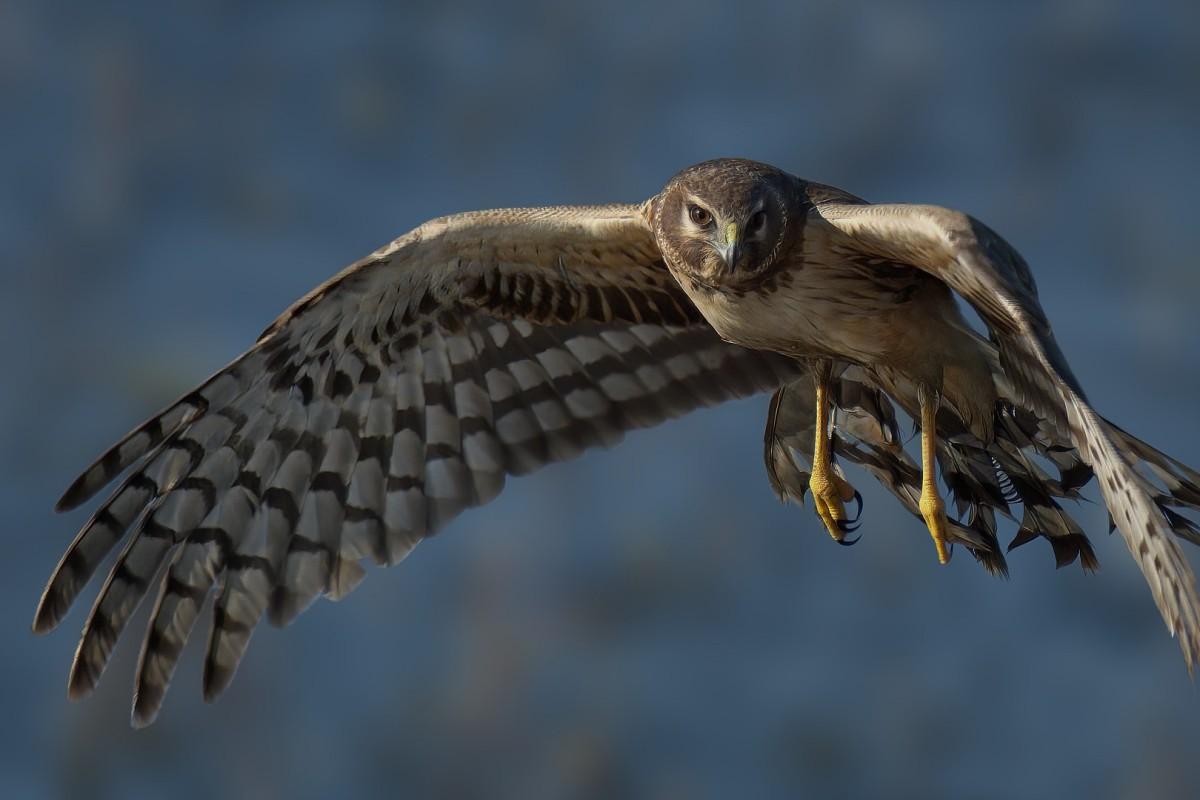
x,y
407,387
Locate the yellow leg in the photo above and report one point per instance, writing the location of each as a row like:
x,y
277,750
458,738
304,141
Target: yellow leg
x,y
932,507
830,492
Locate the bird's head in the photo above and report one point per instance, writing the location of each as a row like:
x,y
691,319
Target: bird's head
x,y
724,223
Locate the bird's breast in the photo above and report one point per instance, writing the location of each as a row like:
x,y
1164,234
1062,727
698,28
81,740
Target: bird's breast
x,y
802,315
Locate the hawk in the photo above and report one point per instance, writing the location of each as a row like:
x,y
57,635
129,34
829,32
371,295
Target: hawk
x,y
408,386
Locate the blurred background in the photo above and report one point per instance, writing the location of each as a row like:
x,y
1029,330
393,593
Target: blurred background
x,y
646,621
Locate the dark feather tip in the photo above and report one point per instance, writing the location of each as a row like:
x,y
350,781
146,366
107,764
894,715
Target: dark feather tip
x,y
145,707
45,619
72,497
216,680
81,682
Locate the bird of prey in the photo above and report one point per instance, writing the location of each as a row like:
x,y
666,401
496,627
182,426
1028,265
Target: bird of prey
x,y
405,388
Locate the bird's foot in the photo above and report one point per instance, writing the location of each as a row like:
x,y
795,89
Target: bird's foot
x,y
934,512
830,494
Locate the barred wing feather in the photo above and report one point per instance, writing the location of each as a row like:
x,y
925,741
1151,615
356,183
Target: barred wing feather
x,y
372,412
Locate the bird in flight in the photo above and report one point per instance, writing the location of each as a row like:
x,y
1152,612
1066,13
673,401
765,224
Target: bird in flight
x,y
408,386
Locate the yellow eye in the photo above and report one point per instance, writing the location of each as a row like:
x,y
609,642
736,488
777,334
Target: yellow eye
x,y
699,215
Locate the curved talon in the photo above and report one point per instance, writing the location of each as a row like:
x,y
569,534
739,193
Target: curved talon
x,y
849,542
830,494
858,510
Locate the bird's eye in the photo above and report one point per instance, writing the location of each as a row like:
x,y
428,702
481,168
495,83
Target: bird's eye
x,y
699,215
756,222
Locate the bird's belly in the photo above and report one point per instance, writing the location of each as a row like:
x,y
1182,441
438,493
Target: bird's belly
x,y
797,322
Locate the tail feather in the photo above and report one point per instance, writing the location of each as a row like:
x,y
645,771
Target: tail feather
x,y
1146,492
1149,490
1042,516
866,433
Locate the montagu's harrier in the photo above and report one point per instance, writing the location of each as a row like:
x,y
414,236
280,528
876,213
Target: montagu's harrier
x,y
407,387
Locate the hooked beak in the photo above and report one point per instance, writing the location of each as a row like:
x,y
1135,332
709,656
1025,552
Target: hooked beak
x,y
732,250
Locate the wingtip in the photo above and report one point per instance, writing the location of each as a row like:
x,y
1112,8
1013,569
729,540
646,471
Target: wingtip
x,y
48,613
43,623
79,685
145,709
73,496
216,680
138,723
1189,644
84,676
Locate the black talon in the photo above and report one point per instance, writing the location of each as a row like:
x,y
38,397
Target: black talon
x,y
848,542
858,512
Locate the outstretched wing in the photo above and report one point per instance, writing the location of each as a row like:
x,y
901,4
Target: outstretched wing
x,y
373,411
982,268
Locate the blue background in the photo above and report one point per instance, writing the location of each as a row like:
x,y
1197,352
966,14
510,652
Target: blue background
x,y
646,621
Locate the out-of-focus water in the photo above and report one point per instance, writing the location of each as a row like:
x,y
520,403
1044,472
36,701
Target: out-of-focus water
x,y
646,621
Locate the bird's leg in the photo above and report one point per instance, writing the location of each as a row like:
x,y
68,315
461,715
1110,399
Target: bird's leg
x,y
830,491
931,505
